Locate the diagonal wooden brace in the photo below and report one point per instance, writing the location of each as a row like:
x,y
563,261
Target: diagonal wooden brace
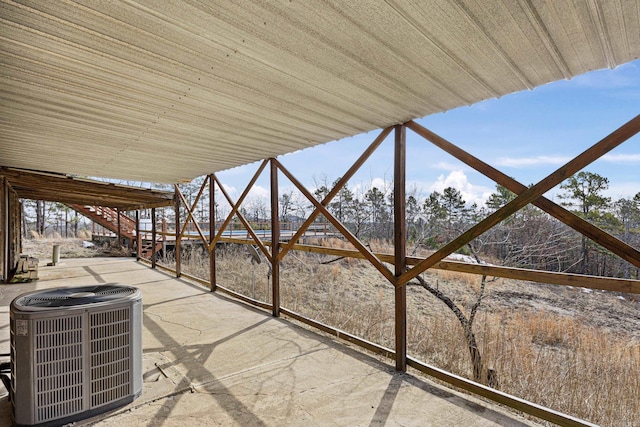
x,y
236,206
190,211
255,238
345,232
602,147
618,247
335,190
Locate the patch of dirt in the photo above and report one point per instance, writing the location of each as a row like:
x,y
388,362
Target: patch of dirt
x,y
617,313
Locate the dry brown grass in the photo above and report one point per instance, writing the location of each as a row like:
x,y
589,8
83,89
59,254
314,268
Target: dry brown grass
x,y
541,344
562,363
42,248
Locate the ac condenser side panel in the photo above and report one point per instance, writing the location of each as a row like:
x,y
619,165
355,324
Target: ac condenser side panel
x,y
49,368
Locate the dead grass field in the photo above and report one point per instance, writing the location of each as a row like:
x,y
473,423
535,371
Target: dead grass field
x,y
42,248
565,348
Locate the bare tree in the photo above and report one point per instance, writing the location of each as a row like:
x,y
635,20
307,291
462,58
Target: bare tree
x,y
466,321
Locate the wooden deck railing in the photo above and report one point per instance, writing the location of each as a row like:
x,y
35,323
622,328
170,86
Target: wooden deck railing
x,y
406,268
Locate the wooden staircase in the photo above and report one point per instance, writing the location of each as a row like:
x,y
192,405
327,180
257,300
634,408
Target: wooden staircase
x,y
147,249
108,218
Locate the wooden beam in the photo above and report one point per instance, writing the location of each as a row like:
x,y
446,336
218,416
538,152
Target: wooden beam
x,y
336,189
400,245
178,255
71,190
275,241
498,396
528,275
618,247
153,238
138,239
368,345
593,153
345,232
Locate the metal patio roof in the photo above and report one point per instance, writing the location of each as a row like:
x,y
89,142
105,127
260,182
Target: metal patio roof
x,y
165,91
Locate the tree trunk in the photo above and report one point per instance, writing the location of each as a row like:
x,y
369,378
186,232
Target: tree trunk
x,y
467,324
38,217
24,221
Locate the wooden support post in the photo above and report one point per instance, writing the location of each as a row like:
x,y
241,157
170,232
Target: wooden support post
x,y
4,223
212,234
138,239
178,236
153,237
119,228
275,241
400,245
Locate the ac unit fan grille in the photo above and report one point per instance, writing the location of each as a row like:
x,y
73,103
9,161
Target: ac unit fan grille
x,y
59,367
73,297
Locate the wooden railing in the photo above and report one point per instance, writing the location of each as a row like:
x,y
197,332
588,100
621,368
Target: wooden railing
x,y
406,268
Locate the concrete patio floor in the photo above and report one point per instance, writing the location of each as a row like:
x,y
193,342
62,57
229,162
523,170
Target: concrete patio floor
x,y
211,361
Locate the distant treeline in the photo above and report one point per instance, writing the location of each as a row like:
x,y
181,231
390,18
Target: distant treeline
x,y
530,238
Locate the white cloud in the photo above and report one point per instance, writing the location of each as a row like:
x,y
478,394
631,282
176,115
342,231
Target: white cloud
x,y
623,76
623,190
622,158
446,166
384,185
380,184
523,162
258,192
458,180
231,190
519,162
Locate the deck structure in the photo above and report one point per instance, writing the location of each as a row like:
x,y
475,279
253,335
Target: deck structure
x,y
234,366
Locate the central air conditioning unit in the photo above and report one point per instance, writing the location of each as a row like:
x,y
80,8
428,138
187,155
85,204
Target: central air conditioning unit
x,y
75,352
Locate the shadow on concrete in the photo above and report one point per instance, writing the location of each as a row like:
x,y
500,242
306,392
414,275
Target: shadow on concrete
x,y
194,357
95,275
386,403
397,379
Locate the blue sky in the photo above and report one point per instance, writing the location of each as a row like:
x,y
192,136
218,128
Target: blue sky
x,y
526,135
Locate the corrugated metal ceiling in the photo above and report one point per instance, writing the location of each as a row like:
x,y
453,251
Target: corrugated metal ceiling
x,y
165,91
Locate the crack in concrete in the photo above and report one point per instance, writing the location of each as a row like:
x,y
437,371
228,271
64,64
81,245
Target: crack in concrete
x,y
161,319
253,368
